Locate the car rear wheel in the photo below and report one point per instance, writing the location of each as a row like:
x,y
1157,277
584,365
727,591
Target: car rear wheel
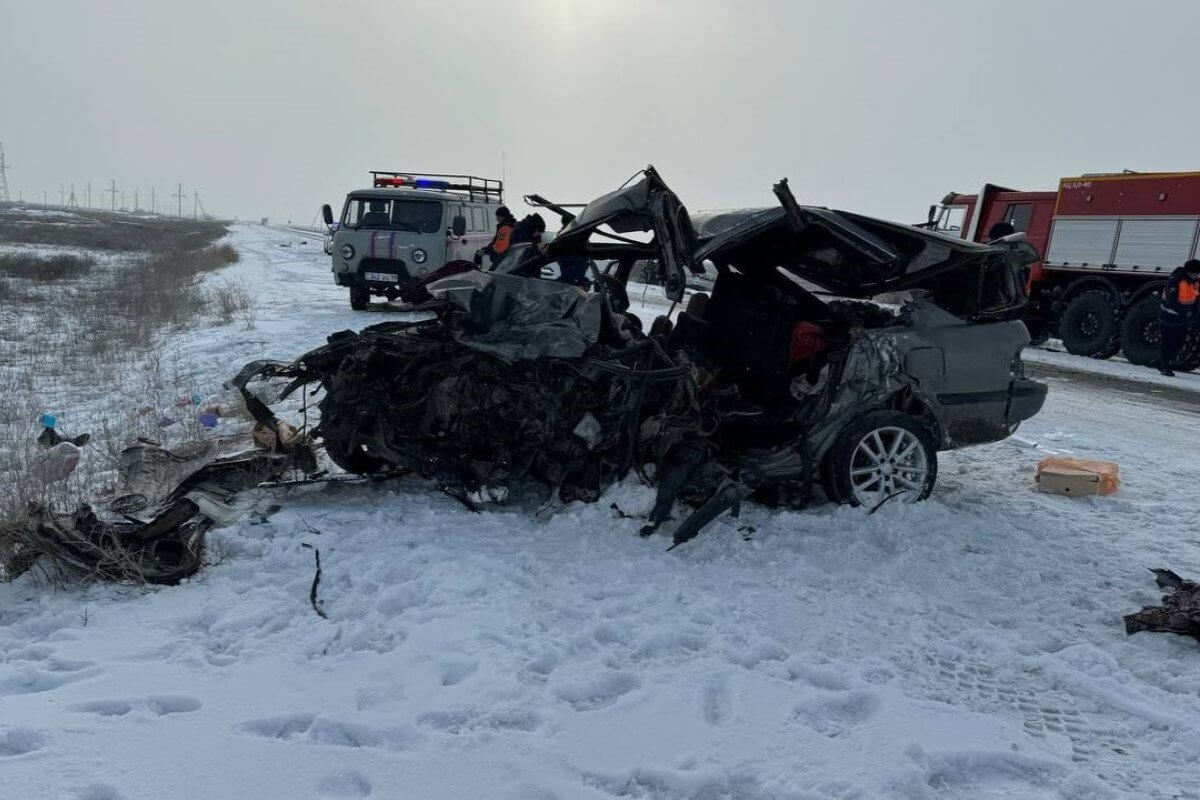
x,y
1091,325
360,298
882,455
1140,334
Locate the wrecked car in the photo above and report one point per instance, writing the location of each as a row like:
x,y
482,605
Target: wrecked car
x,y
833,351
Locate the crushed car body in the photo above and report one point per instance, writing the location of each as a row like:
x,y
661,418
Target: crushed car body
x,y
764,388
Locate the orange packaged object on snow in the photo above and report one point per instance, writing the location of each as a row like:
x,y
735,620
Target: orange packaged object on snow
x,y
1073,476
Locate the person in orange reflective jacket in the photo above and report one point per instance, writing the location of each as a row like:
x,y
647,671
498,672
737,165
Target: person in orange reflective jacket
x,y
1180,301
498,246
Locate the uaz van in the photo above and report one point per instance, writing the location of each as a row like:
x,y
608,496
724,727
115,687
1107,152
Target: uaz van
x,y
406,226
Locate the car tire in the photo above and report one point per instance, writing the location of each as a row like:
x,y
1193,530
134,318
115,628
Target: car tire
x,y
1091,325
877,441
360,298
1140,334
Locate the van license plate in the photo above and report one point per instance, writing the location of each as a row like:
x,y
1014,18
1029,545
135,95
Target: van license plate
x,y
385,277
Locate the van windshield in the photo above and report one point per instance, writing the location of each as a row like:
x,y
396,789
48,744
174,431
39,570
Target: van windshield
x,y
413,216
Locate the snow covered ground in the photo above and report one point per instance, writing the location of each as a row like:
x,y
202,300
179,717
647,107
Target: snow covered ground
x,y
1052,353
967,647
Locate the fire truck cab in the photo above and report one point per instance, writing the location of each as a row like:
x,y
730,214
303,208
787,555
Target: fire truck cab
x,y
407,225
1107,242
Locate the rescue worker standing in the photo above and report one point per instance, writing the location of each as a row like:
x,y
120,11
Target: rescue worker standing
x,y
499,244
1177,313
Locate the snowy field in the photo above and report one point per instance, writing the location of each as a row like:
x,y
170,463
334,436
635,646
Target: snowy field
x,y
967,647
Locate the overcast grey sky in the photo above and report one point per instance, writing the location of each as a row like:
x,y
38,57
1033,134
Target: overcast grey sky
x,y
272,107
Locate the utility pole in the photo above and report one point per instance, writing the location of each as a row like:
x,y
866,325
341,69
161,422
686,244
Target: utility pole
x,y
112,190
89,194
197,206
179,200
135,201
4,169
153,201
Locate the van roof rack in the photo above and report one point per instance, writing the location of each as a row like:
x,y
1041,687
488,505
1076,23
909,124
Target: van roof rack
x,y
470,185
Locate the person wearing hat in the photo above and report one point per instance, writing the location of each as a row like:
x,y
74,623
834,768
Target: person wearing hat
x,y
1177,313
499,244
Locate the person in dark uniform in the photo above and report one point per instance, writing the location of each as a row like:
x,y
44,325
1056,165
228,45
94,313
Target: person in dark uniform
x,y
529,229
1000,230
1177,313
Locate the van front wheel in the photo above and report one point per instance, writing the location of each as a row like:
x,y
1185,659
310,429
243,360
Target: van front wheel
x,y
360,298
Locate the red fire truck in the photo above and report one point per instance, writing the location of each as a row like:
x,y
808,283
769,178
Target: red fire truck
x,y
1108,242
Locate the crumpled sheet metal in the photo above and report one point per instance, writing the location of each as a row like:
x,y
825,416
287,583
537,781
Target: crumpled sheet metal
x,y
149,473
420,400
153,529
516,318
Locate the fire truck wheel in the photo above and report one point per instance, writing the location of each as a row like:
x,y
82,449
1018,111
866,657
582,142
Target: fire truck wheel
x,y
1139,333
360,298
1091,325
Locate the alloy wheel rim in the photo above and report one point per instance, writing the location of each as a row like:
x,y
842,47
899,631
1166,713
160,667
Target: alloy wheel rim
x,y
888,461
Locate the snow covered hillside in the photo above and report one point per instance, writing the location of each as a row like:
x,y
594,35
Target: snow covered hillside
x,y
967,647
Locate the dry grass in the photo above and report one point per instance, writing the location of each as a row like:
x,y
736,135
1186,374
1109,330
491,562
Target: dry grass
x,y
233,301
162,292
99,344
97,230
45,269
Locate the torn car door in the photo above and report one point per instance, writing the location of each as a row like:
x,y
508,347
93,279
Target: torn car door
x,y
647,205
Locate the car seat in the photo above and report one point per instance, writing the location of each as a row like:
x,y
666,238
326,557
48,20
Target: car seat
x,y
375,216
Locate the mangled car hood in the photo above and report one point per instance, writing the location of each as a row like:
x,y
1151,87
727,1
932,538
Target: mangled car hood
x,y
518,318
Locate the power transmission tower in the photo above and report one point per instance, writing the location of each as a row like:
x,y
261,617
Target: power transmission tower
x,y
62,195
112,190
179,200
135,201
71,201
197,206
4,169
